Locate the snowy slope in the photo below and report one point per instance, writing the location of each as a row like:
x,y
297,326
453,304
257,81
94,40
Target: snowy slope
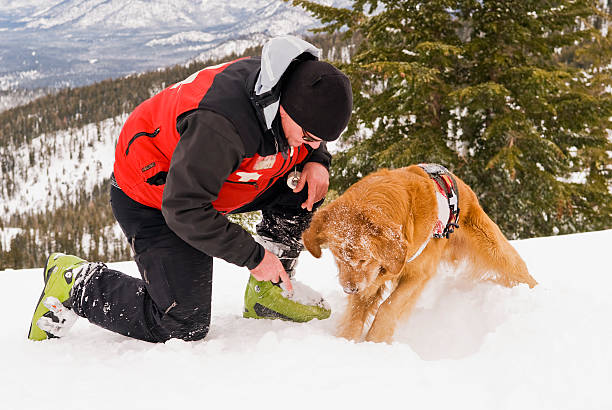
x,y
49,169
6,236
467,346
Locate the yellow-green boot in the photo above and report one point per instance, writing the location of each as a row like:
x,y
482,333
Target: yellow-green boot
x,y
265,300
53,316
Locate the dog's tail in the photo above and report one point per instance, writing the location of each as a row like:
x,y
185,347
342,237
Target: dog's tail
x,y
490,255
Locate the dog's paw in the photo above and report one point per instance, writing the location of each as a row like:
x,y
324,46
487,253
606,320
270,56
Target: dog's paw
x,y
352,333
380,334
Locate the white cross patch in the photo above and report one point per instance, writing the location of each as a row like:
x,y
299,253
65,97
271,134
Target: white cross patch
x,y
265,162
193,76
248,176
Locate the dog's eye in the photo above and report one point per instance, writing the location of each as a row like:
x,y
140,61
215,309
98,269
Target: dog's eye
x,y
382,270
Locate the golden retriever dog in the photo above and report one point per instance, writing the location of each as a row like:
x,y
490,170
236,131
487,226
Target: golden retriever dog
x,y
380,234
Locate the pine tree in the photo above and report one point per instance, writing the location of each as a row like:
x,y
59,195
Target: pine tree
x,y
481,87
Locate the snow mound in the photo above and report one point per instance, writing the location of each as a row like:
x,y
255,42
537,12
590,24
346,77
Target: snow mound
x,y
467,346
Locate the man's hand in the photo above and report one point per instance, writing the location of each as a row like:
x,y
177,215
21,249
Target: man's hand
x,y
271,269
317,177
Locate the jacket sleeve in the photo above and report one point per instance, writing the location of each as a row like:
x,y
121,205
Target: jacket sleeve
x,y
320,155
208,151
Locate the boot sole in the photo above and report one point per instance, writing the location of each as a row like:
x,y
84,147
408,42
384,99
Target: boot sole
x,y
42,295
259,311
36,333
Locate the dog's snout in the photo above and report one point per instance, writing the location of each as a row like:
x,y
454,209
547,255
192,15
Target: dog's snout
x,y
350,289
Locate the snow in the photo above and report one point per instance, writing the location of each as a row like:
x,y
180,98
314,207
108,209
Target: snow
x,y
184,37
11,80
127,37
51,167
467,346
6,236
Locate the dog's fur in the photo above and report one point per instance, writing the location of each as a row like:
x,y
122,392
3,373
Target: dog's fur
x,y
379,223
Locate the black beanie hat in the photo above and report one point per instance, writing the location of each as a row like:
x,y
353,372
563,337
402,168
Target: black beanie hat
x,y
318,97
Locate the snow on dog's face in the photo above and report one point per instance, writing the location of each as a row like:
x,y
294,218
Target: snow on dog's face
x,y
357,265
364,244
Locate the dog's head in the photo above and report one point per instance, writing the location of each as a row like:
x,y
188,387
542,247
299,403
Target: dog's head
x,y
364,243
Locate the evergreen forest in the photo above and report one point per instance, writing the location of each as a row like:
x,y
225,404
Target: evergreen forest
x,y
513,97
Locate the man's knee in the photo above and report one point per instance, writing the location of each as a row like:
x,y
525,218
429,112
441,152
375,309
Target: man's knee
x,y
194,332
189,324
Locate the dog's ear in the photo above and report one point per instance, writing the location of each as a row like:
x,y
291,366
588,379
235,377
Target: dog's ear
x,y
396,255
314,236
391,247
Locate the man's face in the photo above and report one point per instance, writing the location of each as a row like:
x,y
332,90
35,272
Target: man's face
x,y
295,135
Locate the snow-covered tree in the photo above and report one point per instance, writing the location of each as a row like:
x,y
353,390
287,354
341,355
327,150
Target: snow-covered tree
x,y
485,88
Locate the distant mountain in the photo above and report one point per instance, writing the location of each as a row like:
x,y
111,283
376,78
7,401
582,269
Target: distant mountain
x,y
51,43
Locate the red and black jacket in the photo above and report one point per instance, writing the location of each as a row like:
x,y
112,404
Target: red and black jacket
x,y
200,149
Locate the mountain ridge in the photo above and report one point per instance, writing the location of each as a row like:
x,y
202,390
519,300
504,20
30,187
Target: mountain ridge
x,y
77,42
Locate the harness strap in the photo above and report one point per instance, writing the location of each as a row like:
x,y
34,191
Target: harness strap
x,y
418,252
447,186
449,193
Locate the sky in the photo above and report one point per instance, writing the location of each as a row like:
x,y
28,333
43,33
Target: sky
x,y
467,345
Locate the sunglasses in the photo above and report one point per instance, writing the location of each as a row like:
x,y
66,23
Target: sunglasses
x,y
308,138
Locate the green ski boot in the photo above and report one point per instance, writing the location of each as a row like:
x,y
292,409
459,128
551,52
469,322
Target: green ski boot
x,y
265,300
59,274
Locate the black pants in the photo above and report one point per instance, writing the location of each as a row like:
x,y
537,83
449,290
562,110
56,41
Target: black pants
x,y
173,298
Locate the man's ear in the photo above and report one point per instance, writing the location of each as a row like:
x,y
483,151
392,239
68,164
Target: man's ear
x,y
314,236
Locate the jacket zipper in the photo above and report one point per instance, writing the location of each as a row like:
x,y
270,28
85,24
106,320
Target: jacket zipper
x,y
253,183
138,135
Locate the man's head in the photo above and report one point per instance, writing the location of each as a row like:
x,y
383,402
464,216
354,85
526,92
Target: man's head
x,y
317,97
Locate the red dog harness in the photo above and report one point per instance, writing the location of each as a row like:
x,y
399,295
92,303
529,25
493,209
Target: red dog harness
x,y
447,195
448,200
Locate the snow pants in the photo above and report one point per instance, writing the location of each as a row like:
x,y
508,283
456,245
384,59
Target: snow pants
x,y
173,297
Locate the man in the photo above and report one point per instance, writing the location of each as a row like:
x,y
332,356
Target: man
x,y
242,136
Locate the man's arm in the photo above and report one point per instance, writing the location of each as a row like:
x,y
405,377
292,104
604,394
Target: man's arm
x,y
209,150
